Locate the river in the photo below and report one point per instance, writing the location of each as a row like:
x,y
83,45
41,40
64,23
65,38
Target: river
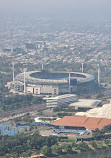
x,y
91,154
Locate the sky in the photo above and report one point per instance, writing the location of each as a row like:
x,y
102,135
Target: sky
x,y
69,9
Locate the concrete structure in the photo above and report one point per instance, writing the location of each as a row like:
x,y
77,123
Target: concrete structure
x,y
60,100
86,104
50,83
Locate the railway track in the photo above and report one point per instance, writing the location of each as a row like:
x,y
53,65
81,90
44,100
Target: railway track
x,y
8,115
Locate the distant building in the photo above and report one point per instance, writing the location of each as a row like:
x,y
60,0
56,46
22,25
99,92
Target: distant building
x,y
85,104
45,89
81,123
54,83
103,112
60,100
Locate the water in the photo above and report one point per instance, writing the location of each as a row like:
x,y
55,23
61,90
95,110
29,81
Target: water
x,y
91,154
97,154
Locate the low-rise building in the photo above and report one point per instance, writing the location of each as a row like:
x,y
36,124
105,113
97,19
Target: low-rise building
x,y
86,104
81,123
60,100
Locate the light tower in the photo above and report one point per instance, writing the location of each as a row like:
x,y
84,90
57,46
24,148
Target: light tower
x,y
99,74
69,83
82,68
42,66
13,69
11,50
24,81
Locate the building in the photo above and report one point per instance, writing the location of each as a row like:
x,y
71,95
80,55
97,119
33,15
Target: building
x,y
81,123
54,83
42,89
85,104
100,112
8,129
60,100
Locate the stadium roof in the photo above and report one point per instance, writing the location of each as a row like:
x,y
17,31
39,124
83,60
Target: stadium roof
x,y
81,77
81,121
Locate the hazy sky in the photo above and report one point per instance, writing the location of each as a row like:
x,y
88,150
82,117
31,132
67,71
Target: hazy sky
x,y
58,8
53,3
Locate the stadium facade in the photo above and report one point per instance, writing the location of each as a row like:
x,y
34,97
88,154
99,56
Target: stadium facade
x,y
54,83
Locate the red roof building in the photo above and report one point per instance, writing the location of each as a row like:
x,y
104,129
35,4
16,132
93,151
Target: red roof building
x,y
91,123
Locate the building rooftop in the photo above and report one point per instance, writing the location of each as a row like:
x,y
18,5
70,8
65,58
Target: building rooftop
x,y
82,121
101,112
86,103
56,77
61,96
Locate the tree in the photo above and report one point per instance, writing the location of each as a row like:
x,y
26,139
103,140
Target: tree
x,y
67,148
26,143
107,128
27,119
93,143
98,133
51,141
83,146
36,100
46,150
56,149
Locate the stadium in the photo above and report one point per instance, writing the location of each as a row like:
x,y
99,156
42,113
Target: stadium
x,y
54,83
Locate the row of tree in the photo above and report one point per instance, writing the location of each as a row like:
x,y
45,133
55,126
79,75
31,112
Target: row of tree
x,y
100,134
64,149
27,144
18,101
64,109
24,144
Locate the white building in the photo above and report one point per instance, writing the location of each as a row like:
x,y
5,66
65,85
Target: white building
x,y
45,89
86,103
60,100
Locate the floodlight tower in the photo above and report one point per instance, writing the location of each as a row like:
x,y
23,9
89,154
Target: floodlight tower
x,y
13,69
42,66
99,74
82,67
69,83
11,50
24,81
